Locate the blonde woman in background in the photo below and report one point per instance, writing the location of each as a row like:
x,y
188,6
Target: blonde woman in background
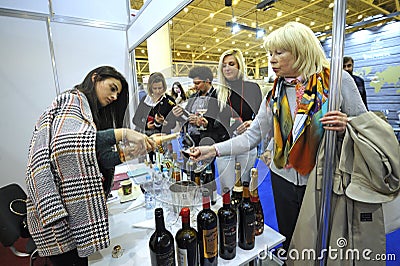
x,y
239,101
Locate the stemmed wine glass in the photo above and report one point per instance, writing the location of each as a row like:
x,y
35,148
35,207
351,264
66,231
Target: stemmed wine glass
x,y
202,109
187,145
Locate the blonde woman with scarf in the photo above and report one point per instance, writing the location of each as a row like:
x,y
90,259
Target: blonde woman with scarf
x,y
297,113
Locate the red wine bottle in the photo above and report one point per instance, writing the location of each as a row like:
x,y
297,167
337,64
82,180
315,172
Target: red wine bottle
x,y
161,244
247,218
237,189
255,200
207,228
227,218
185,115
186,241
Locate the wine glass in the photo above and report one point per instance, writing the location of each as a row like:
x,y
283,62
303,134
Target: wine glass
x,y
187,145
202,109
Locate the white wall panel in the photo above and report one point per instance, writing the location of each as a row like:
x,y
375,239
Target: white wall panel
x,y
39,6
115,11
151,17
27,88
79,49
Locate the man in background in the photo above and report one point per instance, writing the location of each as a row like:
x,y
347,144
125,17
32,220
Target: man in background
x,y
348,65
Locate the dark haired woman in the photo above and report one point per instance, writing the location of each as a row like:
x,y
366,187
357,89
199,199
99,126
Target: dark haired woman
x,y
70,155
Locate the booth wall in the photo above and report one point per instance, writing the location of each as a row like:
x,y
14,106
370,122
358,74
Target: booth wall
x,y
30,80
376,54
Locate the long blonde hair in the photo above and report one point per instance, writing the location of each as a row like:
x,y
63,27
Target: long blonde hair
x,y
301,42
223,91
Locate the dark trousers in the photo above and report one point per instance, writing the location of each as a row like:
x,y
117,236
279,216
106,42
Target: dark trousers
x,y
288,198
69,258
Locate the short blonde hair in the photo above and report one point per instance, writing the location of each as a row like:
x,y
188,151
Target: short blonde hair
x,y
302,43
223,91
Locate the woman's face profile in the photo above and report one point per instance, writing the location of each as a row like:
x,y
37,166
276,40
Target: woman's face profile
x,y
108,90
282,63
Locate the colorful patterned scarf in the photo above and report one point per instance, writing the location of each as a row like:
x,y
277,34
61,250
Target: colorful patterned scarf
x,y
297,142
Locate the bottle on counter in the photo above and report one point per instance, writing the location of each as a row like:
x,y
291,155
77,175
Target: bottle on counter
x,y
227,228
186,241
238,188
161,243
157,181
176,169
247,218
190,166
148,192
207,227
210,184
255,200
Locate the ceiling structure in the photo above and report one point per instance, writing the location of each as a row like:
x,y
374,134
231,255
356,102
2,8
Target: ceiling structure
x,y
199,33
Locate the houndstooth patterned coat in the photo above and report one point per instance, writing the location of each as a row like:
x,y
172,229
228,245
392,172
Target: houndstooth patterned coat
x,y
66,207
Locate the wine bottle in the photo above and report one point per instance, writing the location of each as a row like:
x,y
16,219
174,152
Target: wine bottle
x,y
227,218
207,232
176,169
255,200
161,243
210,184
247,218
185,115
238,188
186,241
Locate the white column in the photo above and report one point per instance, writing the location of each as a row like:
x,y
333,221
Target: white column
x,y
159,52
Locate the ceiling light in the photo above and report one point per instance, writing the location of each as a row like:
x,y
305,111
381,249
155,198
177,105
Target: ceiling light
x,y
193,55
312,23
208,56
170,22
233,42
204,48
214,29
235,2
247,44
217,40
347,11
279,14
254,24
360,16
178,53
246,52
219,49
271,28
257,53
186,9
260,33
327,27
211,15
297,19
233,19
236,27
188,46
331,5
249,35
263,60
142,51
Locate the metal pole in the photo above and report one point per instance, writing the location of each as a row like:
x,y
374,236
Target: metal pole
x,y
335,85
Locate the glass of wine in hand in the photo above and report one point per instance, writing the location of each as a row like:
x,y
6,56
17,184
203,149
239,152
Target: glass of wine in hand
x,y
202,109
187,146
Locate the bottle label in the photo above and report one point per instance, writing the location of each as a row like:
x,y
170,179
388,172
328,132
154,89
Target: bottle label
x,y
182,256
229,236
238,189
166,259
210,243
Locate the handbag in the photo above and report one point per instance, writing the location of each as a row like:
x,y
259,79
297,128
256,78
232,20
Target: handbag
x,y
18,207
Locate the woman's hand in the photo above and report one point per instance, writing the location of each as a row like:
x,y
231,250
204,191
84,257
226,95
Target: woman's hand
x,y
140,142
202,152
335,120
159,119
177,111
243,127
